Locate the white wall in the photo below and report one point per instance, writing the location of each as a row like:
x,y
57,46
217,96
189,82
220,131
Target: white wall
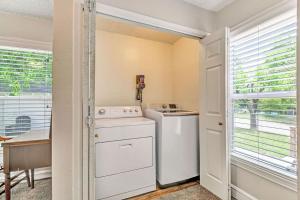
x,y
185,62
67,121
25,27
257,186
176,11
241,10
62,110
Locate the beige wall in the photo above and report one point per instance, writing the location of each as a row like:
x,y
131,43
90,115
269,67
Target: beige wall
x,y
119,58
171,70
25,27
185,61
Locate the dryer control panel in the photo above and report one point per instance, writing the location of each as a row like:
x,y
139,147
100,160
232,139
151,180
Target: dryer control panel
x,y
117,112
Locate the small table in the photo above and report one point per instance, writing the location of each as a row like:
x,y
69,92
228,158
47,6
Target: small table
x,y
27,151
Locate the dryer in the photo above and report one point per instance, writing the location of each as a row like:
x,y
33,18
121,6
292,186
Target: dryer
x,y
125,153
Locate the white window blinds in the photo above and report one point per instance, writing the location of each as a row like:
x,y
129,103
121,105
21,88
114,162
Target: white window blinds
x,y
263,94
25,90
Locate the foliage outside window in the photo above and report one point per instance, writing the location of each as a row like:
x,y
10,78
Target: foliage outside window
x,y
25,90
263,85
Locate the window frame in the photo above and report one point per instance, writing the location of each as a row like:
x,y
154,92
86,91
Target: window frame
x,y
286,180
20,43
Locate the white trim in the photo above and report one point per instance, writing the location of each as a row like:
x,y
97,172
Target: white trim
x,y
228,108
24,43
277,178
240,194
42,173
298,96
275,10
148,21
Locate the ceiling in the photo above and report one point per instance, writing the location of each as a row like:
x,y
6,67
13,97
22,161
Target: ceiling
x,y
131,29
213,5
37,8
43,8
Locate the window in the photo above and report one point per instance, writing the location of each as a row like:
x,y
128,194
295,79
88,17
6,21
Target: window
x,y
263,94
25,90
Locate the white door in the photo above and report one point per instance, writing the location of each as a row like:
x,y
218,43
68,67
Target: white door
x,y
214,165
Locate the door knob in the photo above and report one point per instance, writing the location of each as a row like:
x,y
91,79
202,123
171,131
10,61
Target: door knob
x,y
220,123
96,135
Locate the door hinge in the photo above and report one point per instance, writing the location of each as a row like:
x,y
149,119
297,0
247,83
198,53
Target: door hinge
x,y
89,118
91,5
89,121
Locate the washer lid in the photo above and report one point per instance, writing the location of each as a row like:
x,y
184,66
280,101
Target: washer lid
x,y
134,121
180,113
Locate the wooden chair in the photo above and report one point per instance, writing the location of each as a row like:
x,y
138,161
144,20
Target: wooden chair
x,y
13,184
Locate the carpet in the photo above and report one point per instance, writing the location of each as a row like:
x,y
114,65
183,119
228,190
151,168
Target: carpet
x,y
42,191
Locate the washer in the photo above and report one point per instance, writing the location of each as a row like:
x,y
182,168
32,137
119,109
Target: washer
x,y
125,153
177,139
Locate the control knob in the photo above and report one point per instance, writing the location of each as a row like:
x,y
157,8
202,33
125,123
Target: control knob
x,y
101,111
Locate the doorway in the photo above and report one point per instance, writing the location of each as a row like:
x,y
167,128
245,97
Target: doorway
x,y
109,88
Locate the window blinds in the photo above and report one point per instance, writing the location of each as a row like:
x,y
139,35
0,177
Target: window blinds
x,y
263,94
25,90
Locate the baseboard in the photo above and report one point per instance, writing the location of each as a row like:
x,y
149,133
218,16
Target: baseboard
x,y
42,173
240,194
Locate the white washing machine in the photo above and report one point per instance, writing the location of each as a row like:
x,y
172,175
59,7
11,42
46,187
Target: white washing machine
x,y
125,153
177,143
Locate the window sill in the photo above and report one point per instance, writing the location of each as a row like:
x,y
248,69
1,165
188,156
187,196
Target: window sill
x,y
285,180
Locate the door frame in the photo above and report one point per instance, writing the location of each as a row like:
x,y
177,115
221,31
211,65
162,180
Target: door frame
x,y
88,95
133,17
130,17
